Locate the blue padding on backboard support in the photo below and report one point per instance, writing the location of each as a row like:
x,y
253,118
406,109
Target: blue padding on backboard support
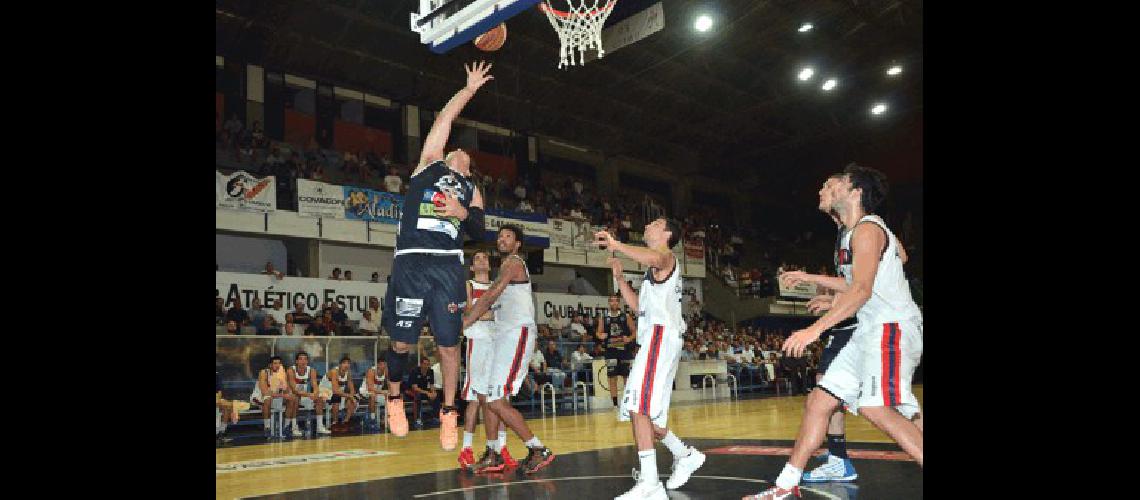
x,y
483,26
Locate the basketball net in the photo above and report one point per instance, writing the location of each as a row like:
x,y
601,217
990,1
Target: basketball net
x,y
579,29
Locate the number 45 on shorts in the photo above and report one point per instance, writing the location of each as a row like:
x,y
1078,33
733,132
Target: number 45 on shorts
x,y
404,323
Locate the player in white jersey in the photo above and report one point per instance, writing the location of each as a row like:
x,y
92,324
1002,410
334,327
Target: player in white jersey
x,y
479,357
871,374
373,388
512,342
659,329
303,381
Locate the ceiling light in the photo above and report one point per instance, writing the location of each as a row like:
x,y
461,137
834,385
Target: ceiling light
x,y
895,70
703,23
805,27
830,84
878,109
806,73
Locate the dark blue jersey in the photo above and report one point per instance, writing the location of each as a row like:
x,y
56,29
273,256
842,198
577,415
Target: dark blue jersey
x,y
420,228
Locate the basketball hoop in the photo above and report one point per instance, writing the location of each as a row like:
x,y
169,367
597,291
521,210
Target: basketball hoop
x,y
579,29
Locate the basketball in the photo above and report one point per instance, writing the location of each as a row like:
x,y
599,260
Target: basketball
x,y
493,39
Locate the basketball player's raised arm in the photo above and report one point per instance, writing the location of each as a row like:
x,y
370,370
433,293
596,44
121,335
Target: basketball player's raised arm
x,y
601,333
627,292
867,243
509,271
662,260
441,128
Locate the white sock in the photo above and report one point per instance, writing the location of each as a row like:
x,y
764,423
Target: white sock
x,y
675,445
790,477
320,421
268,423
530,443
502,438
467,437
648,459
494,444
293,421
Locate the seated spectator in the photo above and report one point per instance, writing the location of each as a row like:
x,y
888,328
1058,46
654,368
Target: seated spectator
x,y
319,327
580,359
392,182
520,191
525,207
348,276
554,365
545,333
687,353
578,328
370,325
375,278
232,328
272,272
299,316
557,324
267,326
538,366
278,313
421,387
339,320
335,274
219,311
290,328
238,315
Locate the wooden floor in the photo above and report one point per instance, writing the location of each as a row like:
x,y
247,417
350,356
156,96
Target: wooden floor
x,y
419,452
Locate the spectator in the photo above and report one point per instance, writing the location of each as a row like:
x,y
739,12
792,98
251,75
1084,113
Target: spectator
x,y
290,327
538,366
219,311
392,182
272,272
557,324
320,326
580,359
375,278
525,207
267,326
371,323
554,365
299,316
578,327
278,313
687,353
422,388
256,313
348,276
520,191
339,320
233,129
232,328
335,274
239,316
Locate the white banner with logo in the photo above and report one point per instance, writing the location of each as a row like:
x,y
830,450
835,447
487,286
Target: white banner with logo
x,y
242,191
312,292
561,233
319,199
801,290
568,305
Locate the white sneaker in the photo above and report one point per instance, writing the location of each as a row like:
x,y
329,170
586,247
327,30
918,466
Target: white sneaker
x,y
835,469
644,489
685,467
290,431
322,430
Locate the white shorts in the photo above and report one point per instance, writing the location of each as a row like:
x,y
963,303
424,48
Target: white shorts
x,y
512,349
480,353
876,366
649,386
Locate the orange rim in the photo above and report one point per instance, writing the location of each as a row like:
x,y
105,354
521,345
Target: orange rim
x,y
567,15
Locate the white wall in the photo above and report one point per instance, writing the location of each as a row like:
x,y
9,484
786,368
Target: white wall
x,y
362,261
248,254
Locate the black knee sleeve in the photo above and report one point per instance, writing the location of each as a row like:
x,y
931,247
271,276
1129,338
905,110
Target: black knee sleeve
x,y
397,363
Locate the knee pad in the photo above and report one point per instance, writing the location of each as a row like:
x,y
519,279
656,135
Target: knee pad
x,y
397,363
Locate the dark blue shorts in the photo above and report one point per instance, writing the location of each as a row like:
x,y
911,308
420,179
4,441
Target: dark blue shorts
x,y
836,340
425,287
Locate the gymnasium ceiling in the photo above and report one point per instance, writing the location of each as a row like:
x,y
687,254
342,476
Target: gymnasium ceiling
x,y
726,103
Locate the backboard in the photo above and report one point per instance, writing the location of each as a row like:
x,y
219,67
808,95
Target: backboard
x,y
446,24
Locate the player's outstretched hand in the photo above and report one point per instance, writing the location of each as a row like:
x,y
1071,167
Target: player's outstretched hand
x,y
792,278
615,266
799,340
477,75
452,207
820,303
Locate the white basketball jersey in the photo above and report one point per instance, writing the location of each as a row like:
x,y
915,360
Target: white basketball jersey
x,y
515,306
890,300
302,379
481,329
659,303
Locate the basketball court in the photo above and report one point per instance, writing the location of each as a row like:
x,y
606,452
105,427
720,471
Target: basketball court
x,y
747,440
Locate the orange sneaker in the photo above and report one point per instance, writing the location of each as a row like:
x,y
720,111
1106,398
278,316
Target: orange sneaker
x,y
508,459
397,420
466,459
448,428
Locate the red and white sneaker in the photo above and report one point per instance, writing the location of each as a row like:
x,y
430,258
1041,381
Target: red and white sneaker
x,y
775,493
466,459
508,459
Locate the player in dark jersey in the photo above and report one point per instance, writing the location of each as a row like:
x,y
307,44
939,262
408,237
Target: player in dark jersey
x,y
615,331
427,279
